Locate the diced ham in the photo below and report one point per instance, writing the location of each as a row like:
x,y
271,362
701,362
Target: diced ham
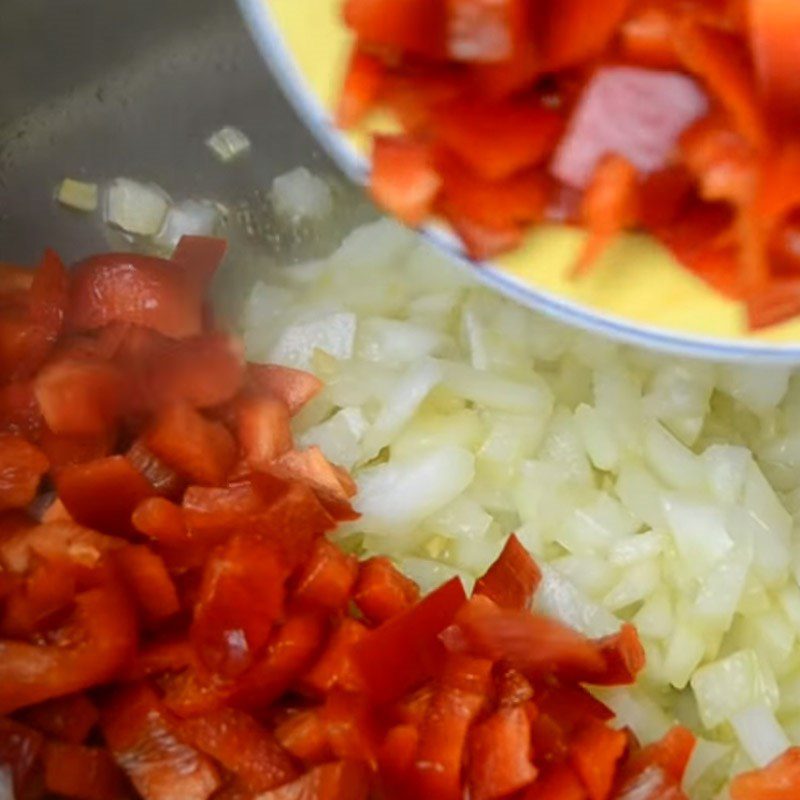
x,y
636,113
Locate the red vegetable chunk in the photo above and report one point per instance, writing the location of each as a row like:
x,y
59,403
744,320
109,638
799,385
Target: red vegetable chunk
x,y
512,580
21,468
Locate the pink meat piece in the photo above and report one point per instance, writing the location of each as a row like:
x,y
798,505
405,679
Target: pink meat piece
x,y
636,113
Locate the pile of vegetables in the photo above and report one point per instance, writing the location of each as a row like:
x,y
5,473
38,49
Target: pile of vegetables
x,y
174,621
651,490
677,117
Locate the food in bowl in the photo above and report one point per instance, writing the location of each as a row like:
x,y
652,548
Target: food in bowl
x,y
676,118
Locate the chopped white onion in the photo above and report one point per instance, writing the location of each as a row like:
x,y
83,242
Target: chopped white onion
x,y
135,207
78,195
187,218
298,195
228,143
760,735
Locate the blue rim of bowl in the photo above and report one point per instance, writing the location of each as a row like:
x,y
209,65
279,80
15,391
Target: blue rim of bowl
x,y
298,92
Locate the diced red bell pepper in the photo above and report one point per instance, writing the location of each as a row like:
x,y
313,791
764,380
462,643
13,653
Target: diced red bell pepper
x,y
312,468
201,450
328,578
624,657
293,386
70,719
47,305
336,666
56,512
575,31
774,28
351,727
498,139
163,479
513,688
502,80
170,654
404,180
572,706
80,397
142,290
241,597
647,38
462,693
15,282
21,469
203,371
149,582
413,708
722,62
777,781
484,31
263,430
636,113
288,655
65,450
671,754
382,655
557,783
342,780
549,739
653,782
162,521
382,591
83,773
19,411
773,304
531,643
595,753
414,26
218,511
200,257
413,94
396,758
96,641
103,494
513,578
500,755
20,749
610,206
143,739
304,735
664,195
193,690
362,86
242,745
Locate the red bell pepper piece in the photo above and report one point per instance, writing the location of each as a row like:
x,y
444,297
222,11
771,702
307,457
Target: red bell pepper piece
x,y
263,430
288,655
21,469
163,479
529,642
336,665
362,86
142,290
382,591
200,257
242,745
610,206
342,780
721,61
312,468
201,450
102,494
70,719
293,386
161,520
773,30
149,582
80,397
624,657
647,38
484,31
20,749
572,706
382,656
503,79
66,450
557,783
327,580
500,755
549,739
513,688
575,31
170,654
414,26
497,140
304,735
513,578
670,754
241,597
47,305
413,709
595,753
777,781
773,304
96,641
404,180
204,371
143,739
396,758
83,773
19,411
351,727
462,693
